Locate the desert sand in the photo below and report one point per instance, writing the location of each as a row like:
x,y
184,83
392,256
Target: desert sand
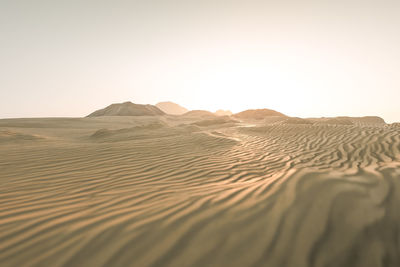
x,y
198,190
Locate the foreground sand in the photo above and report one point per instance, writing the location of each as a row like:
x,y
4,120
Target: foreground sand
x,y
166,192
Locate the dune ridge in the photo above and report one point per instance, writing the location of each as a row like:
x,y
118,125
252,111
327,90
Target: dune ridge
x,y
171,108
221,112
199,113
127,109
258,114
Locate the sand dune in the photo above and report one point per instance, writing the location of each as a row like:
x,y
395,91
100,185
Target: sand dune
x,y
171,108
257,114
128,109
294,120
334,121
11,136
145,191
200,114
222,112
361,121
368,120
217,121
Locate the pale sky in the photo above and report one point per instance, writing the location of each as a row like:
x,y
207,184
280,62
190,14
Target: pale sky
x,y
302,58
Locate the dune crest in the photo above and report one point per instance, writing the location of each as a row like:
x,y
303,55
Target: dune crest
x,y
362,121
171,108
222,112
199,113
217,121
127,109
258,114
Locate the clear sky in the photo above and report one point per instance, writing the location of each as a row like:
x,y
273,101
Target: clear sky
x,y
302,58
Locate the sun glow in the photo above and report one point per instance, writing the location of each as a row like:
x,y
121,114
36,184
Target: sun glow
x,y
329,60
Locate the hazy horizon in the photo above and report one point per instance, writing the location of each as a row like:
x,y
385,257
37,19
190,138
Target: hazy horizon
x,y
301,58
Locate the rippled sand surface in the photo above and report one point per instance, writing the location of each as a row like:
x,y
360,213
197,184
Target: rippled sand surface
x,y
162,192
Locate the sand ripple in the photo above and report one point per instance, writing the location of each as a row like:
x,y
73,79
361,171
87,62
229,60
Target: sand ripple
x,y
275,195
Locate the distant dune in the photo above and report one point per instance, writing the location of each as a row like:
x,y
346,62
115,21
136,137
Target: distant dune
x,y
368,120
217,121
294,120
199,113
336,121
171,108
106,132
128,109
257,114
222,112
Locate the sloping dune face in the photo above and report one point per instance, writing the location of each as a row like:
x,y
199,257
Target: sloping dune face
x,y
294,195
222,112
199,113
10,136
171,108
